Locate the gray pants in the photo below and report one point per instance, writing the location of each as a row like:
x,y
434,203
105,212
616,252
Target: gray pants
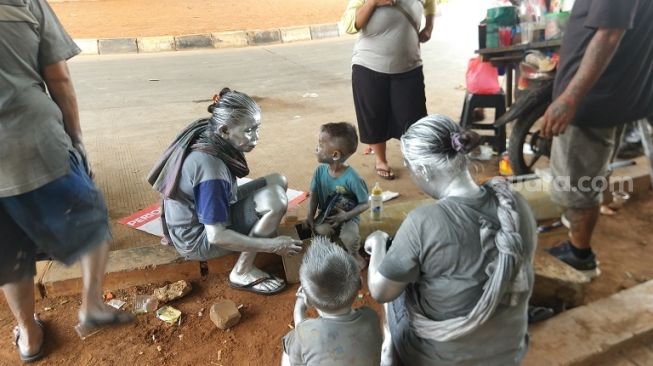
x,y
579,162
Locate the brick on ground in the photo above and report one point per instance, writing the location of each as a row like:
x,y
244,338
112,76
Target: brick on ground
x,y
224,314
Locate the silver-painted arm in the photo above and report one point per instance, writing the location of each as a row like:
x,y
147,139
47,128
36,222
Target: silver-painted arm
x,y
381,288
218,234
299,313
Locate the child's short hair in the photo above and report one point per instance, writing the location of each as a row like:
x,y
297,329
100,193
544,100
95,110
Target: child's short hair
x,y
329,275
345,136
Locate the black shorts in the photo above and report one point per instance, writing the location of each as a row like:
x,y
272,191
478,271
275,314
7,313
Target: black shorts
x,y
387,104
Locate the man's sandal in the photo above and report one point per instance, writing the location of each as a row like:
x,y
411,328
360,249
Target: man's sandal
x,y
387,174
36,355
250,286
91,325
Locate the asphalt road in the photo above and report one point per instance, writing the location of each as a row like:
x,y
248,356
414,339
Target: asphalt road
x,y
133,105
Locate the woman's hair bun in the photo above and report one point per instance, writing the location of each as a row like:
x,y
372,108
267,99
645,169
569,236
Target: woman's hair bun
x,y
465,141
224,91
216,99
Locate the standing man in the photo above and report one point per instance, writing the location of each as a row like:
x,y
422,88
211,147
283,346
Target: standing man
x,y
605,79
47,198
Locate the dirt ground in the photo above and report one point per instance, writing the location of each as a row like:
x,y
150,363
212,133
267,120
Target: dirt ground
x,y
140,18
256,340
623,243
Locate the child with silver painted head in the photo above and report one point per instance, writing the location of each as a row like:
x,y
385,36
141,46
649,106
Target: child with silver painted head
x,y
338,193
330,282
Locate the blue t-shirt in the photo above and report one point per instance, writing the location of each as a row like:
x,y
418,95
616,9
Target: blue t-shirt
x,y
206,191
323,186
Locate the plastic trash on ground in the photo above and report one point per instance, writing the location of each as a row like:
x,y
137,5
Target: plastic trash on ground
x,y
168,314
145,304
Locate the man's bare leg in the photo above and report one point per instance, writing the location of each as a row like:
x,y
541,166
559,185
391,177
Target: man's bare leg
x,y
93,313
582,223
272,203
20,297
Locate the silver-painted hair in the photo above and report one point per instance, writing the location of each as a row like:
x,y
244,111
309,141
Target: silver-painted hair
x,y
428,142
329,275
232,107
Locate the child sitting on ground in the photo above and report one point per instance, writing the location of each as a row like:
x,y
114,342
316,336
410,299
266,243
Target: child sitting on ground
x,y
330,282
337,191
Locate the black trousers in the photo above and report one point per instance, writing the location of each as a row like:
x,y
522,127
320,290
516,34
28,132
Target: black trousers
x,y
387,104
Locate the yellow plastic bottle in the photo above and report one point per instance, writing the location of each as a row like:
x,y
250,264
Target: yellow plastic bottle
x,y
504,165
376,202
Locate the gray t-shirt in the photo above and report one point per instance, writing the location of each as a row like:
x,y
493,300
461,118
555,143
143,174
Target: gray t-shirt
x,y
206,191
624,92
388,43
33,143
351,340
437,250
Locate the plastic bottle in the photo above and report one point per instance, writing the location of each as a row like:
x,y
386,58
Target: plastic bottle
x,y
504,165
376,202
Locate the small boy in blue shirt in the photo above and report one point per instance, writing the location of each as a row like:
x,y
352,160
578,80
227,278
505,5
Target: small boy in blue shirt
x,y
338,193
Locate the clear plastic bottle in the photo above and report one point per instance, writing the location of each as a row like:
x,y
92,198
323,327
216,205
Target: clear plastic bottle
x,y
376,202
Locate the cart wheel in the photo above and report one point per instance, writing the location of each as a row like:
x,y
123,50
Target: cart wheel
x,y
525,132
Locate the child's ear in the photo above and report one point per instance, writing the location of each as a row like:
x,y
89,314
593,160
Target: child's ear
x,y
336,155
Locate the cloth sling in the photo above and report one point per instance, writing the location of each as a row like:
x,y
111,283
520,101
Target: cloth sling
x,y
507,279
164,177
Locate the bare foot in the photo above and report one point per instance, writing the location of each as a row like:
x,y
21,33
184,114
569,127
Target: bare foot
x,y
605,210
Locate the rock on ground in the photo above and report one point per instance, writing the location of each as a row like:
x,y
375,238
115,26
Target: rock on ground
x,y
172,291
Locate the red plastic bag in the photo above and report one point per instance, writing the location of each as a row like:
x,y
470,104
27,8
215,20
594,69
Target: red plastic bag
x,y
482,77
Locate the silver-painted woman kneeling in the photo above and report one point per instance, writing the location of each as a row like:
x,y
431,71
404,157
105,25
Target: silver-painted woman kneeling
x,y
205,213
458,275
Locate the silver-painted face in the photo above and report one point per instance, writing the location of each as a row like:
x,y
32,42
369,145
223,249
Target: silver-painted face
x,y
244,135
325,149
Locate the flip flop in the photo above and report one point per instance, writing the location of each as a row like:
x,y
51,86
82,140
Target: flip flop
x,y
539,313
39,353
250,286
91,325
387,174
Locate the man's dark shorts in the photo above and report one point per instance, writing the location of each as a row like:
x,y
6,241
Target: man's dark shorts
x,y
63,219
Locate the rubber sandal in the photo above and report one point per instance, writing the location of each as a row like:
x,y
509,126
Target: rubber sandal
x,y
90,326
386,174
39,353
250,286
539,313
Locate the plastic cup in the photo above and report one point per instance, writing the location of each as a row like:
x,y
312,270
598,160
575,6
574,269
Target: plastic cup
x,y
486,152
505,36
145,304
618,199
526,32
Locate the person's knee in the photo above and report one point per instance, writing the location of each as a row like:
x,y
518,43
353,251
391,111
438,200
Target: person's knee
x,y
277,179
350,239
272,200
